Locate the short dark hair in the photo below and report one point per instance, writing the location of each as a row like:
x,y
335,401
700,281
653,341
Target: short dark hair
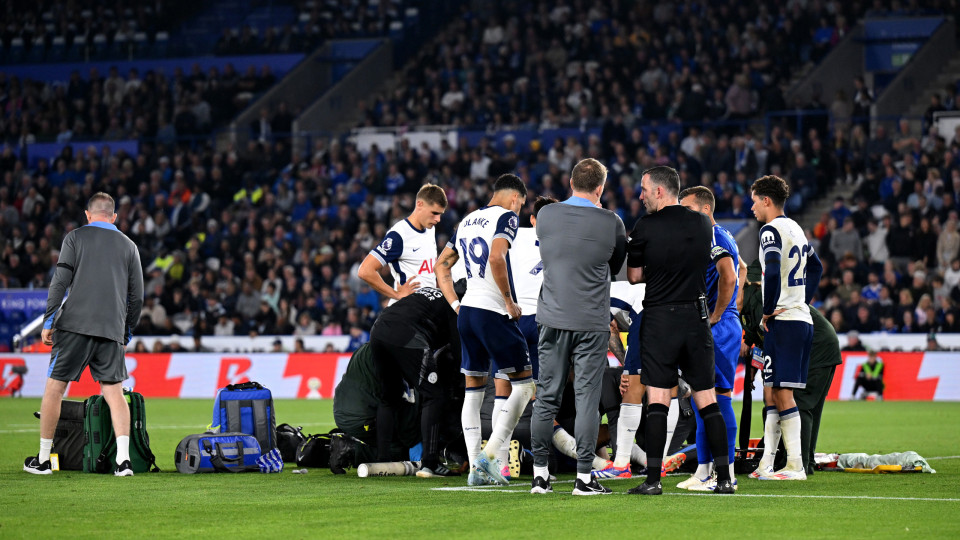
x,y
702,195
101,203
665,177
510,182
588,175
432,194
541,202
773,187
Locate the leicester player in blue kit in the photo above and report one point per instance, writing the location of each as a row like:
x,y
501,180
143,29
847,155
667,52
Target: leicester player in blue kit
x,y
723,282
791,275
488,320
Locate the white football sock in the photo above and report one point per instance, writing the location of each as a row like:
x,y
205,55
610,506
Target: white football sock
x,y
470,420
123,448
564,442
541,472
703,470
503,454
627,426
638,456
790,427
584,477
771,437
733,476
45,446
510,415
673,416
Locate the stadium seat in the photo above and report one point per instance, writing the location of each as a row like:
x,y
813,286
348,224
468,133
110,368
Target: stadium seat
x,y
58,49
160,44
119,50
77,51
37,50
15,54
98,49
141,47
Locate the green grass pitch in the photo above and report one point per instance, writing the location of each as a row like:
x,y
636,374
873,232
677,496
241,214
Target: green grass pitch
x,y
319,504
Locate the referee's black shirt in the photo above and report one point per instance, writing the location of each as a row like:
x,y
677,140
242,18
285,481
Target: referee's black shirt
x,y
673,248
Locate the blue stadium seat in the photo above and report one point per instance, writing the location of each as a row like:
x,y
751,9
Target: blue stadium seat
x,y
141,47
37,51
58,50
16,52
160,44
77,51
98,47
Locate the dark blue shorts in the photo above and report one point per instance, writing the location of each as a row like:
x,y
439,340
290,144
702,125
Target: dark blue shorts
x,y
531,334
727,336
486,335
631,361
786,350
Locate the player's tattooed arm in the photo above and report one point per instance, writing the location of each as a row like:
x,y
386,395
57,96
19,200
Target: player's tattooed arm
x,y
444,272
616,344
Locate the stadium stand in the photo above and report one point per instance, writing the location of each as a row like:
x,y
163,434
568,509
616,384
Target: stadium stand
x,y
268,241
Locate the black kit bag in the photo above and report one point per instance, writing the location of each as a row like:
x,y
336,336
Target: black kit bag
x,y
289,439
69,438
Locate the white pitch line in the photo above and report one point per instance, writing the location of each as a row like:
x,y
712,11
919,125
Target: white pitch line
x,y
492,489
942,457
193,427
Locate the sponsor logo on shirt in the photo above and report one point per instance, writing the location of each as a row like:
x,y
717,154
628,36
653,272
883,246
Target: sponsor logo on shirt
x,y
767,239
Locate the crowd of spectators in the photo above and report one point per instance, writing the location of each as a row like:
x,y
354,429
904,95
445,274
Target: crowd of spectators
x,y
315,22
565,62
268,241
39,24
892,251
116,106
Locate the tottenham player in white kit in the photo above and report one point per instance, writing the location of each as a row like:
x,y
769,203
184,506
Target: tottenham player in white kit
x,y
791,275
488,321
527,274
409,248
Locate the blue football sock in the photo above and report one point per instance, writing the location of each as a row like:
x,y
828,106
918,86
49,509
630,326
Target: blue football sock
x,y
730,419
703,447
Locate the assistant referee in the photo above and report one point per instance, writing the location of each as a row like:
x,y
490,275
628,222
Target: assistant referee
x,y
670,250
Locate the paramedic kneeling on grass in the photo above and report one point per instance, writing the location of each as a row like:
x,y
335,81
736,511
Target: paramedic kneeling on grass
x,y
101,266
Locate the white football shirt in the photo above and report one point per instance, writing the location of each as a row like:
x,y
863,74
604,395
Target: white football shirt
x,y
782,239
473,241
410,253
527,269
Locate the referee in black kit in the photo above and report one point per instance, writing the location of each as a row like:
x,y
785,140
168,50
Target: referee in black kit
x,y
669,250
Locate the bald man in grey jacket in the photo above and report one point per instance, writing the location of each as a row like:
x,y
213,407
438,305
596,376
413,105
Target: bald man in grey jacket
x,y
581,245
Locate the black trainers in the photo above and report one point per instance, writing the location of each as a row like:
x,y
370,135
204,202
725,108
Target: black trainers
x,y
33,466
540,485
124,469
646,489
342,451
593,488
437,471
724,487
